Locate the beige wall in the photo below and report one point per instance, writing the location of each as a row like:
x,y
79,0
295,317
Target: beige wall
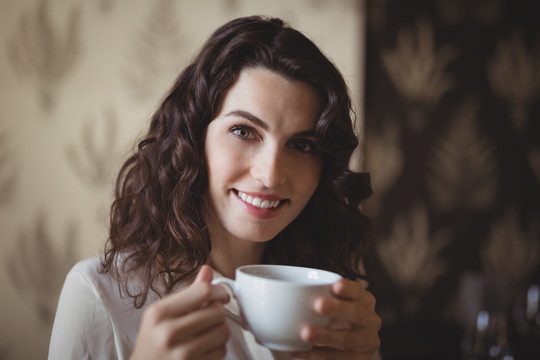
x,y
78,80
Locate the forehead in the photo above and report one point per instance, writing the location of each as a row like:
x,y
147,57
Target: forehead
x,y
272,96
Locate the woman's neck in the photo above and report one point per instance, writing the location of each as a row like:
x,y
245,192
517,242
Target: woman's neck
x,y
226,256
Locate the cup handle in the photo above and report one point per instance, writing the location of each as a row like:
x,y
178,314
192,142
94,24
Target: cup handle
x,y
230,284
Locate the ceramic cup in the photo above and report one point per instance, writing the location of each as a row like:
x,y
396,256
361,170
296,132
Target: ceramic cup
x,y
276,301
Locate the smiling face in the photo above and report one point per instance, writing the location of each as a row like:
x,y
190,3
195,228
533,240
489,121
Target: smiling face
x,y
262,157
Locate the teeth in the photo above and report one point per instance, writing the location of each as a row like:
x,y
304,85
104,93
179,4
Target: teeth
x,y
258,202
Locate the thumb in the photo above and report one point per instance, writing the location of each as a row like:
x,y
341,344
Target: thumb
x,y
206,274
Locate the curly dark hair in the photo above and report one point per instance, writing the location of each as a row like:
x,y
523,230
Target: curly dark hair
x,y
158,233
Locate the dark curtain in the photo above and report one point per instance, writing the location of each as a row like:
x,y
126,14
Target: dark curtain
x,y
453,147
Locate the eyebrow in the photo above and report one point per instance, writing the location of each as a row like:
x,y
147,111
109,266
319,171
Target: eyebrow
x,y
260,123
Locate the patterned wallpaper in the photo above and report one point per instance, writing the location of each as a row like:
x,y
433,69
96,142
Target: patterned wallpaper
x,y
453,146
78,80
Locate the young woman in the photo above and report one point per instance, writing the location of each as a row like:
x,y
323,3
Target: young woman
x,y
245,161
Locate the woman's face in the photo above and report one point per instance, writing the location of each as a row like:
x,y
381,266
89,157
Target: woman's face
x,y
263,159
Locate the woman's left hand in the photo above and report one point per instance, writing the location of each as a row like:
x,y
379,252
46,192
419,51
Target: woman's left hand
x,y
354,332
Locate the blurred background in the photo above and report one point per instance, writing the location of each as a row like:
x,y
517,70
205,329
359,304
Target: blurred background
x,y
452,118
447,94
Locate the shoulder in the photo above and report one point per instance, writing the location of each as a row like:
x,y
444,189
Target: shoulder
x,y
86,284
89,292
87,274
91,315
90,264
81,324
104,285
87,268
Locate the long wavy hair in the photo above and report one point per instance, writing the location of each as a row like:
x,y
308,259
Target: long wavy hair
x,y
158,236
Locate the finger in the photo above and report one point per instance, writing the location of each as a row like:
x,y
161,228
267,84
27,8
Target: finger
x,y
355,310
205,274
216,354
206,343
197,322
350,340
348,314
186,301
348,289
350,311
172,333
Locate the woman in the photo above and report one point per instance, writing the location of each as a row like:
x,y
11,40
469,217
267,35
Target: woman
x,y
245,162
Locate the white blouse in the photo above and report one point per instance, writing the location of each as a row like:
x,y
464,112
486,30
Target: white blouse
x,y
95,321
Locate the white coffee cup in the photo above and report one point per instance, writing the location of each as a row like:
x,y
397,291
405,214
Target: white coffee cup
x,y
276,301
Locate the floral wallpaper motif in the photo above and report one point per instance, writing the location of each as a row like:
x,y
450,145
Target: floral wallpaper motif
x,y
512,251
462,171
453,131
44,51
514,75
156,48
7,171
78,82
91,161
412,255
40,270
416,68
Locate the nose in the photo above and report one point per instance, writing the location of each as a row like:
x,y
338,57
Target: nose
x,y
269,167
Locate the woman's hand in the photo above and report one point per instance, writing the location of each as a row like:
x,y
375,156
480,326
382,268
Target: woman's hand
x,y
354,333
189,324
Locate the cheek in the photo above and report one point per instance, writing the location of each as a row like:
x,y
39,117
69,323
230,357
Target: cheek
x,y
222,162
308,178
217,168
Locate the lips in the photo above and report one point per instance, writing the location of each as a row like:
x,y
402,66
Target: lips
x,y
262,206
258,201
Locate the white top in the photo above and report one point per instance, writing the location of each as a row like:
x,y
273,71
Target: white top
x,y
94,321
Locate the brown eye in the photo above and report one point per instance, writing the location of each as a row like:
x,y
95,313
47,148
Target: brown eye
x,y
303,146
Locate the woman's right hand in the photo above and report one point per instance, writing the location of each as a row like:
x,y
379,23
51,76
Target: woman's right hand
x,y
189,324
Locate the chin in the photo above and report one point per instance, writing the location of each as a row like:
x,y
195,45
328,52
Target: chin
x,y
258,237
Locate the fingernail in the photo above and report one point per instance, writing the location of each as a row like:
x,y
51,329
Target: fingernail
x,y
305,333
318,305
222,295
337,287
